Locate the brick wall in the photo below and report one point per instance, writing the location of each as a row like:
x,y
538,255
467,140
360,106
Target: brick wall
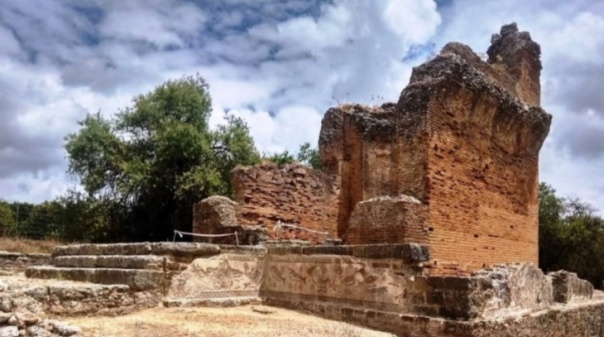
x,y
464,140
293,193
483,181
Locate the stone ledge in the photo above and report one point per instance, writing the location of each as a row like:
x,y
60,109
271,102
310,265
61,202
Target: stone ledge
x,y
187,249
211,302
150,262
409,252
137,280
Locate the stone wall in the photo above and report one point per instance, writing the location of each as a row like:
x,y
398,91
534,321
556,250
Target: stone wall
x,y
386,287
65,298
19,262
464,140
266,194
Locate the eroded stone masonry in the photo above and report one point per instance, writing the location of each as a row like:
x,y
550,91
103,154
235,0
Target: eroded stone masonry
x,y
453,164
429,207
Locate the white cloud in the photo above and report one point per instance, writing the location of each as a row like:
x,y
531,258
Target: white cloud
x,y
571,38
280,71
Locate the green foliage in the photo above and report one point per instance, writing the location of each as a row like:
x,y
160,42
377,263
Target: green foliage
x,y
148,165
281,158
7,219
306,155
571,236
309,156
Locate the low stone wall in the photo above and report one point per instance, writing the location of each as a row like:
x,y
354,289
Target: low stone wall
x,y
386,287
19,262
26,324
71,299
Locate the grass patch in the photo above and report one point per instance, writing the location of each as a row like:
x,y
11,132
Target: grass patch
x,y
27,246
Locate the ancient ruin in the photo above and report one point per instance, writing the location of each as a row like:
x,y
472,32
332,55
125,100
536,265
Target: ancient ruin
x,y
422,221
453,164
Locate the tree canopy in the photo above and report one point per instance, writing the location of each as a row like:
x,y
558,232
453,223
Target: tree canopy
x,y
159,156
571,236
306,155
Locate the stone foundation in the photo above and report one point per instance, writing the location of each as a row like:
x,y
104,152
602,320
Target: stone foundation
x,y
387,287
390,287
19,262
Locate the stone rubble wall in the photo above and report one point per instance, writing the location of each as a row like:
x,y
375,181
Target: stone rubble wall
x,y
385,287
62,298
387,220
464,140
265,195
10,261
26,324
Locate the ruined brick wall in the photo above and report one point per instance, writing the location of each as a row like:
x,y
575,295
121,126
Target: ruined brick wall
x,y
293,194
387,220
463,139
482,150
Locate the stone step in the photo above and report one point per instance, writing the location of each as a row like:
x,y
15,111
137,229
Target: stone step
x,y
151,262
221,302
176,249
136,279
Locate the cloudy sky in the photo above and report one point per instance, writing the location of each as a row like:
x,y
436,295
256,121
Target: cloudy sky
x,y
279,64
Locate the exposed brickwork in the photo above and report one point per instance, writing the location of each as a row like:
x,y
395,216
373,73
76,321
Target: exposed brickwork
x,y
388,220
292,194
463,139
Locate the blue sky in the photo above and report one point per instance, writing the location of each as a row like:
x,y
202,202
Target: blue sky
x,y
278,64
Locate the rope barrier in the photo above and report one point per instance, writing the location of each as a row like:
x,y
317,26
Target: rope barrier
x,y
281,225
180,234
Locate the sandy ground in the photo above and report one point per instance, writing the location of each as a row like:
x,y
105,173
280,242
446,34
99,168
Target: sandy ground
x,y
218,322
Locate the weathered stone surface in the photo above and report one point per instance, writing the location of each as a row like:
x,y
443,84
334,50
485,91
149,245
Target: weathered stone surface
x,y
38,331
293,194
71,299
568,287
18,262
210,302
505,289
152,262
370,283
519,57
191,249
224,276
136,279
464,140
387,220
9,331
63,329
214,211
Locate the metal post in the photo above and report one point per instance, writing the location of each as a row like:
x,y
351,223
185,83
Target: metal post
x,y
174,238
237,238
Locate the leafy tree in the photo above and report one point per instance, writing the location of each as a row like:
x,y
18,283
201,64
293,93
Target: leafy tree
x,y
158,157
41,223
306,155
281,158
309,156
571,236
7,219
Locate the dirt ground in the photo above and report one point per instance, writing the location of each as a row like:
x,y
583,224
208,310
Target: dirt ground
x,y
218,322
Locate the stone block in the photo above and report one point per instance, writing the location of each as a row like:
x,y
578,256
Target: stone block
x,y
567,286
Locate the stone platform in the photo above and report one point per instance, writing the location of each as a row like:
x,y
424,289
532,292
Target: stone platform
x,y
390,287
140,266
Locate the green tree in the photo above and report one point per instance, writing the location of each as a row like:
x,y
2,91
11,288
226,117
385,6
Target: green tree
x,y
305,155
158,157
551,228
309,156
571,236
281,158
7,219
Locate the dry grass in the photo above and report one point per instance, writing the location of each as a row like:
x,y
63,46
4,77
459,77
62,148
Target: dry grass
x,y
218,322
19,245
